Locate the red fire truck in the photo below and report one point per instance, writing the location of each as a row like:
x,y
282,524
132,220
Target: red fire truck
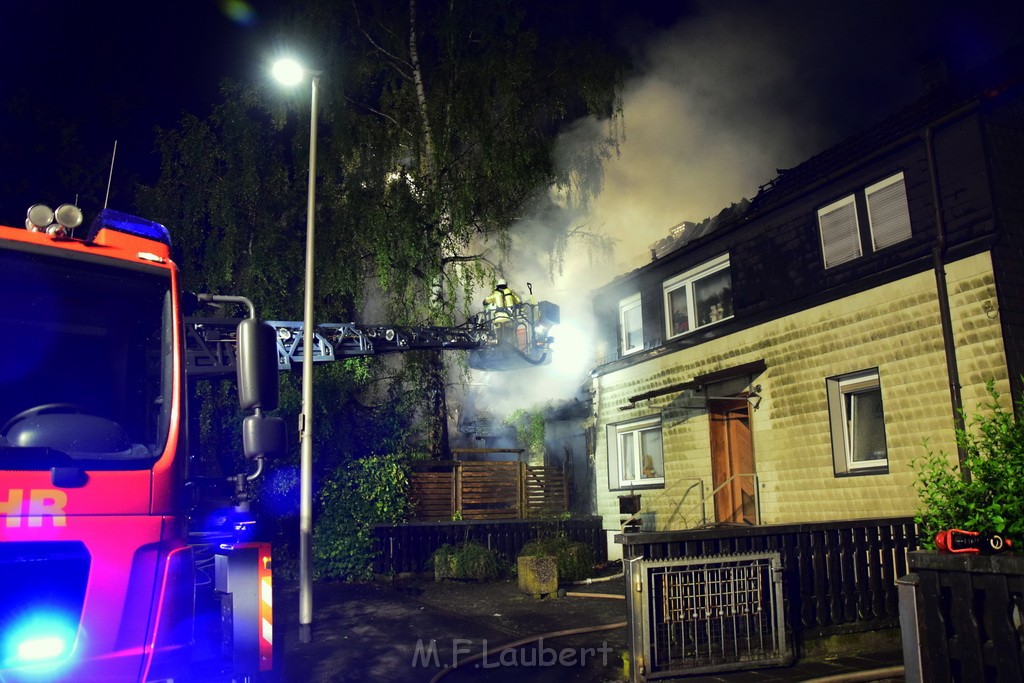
x,y
98,577
113,564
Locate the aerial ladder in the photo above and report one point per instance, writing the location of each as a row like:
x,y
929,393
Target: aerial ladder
x,y
498,340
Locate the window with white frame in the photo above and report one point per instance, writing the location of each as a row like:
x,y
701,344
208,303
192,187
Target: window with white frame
x,y
635,456
857,423
888,214
840,231
631,325
883,205
700,296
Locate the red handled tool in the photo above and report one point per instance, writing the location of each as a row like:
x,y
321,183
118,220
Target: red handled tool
x,y
961,541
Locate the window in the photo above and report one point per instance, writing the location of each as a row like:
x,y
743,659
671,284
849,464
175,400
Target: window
x,y
840,232
857,423
635,456
631,324
888,214
884,205
698,297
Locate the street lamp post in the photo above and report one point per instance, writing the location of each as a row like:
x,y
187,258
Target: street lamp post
x,y
289,72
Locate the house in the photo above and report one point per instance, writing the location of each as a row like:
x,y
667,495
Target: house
x,y
787,360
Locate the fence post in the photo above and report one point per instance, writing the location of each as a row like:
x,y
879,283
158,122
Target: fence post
x,y
910,627
634,570
521,492
565,491
457,490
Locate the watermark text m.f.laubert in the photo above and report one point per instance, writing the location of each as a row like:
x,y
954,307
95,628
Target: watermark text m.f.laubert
x,y
535,654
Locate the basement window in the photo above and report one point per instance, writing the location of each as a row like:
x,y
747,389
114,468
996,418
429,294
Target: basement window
x,y
857,423
698,297
635,455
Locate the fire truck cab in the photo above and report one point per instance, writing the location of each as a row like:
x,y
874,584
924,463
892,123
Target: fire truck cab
x,y
98,579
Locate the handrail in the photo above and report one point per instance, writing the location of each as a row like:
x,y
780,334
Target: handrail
x,y
702,504
696,482
757,494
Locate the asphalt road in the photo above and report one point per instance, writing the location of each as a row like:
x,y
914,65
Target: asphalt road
x,y
423,631
427,632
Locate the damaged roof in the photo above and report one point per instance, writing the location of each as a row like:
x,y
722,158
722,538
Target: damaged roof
x,y
983,83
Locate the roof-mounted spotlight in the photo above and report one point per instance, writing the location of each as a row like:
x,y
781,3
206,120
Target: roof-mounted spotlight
x,y
38,218
68,215
59,223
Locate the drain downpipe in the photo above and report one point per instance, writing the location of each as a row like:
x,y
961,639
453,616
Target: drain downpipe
x,y
945,318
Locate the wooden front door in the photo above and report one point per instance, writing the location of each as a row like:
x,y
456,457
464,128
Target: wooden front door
x,y
732,461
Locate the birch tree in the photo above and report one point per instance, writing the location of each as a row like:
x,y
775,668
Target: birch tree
x,y
438,127
458,106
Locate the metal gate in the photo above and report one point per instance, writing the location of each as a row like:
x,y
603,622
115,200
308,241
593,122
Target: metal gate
x,y
707,614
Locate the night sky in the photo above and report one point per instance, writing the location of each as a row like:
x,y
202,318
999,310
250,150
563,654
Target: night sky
x,y
117,70
730,88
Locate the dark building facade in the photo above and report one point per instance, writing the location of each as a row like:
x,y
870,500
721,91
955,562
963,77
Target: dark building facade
x,y
802,347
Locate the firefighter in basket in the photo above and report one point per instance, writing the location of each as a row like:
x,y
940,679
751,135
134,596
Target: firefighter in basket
x,y
499,309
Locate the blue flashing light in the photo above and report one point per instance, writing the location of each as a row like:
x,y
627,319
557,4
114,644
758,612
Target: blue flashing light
x,y
127,223
43,639
42,648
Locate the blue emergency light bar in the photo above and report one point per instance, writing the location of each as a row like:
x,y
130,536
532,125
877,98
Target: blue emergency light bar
x,y
132,225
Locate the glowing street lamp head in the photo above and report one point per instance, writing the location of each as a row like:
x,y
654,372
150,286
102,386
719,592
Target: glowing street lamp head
x,y
287,71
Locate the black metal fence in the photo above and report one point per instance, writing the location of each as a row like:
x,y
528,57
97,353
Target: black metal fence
x,y
838,577
409,547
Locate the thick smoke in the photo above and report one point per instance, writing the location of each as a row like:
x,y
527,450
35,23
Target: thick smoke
x,y
722,100
727,97
737,90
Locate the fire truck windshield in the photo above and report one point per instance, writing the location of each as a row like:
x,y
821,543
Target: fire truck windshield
x,y
86,362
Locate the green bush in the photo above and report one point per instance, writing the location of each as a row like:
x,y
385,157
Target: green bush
x,y
575,560
467,561
358,494
991,499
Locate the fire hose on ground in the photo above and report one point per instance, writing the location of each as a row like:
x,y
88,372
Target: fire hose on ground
x,y
883,674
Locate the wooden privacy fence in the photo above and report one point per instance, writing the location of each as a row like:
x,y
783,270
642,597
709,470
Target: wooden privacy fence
x,y
446,490
838,577
409,547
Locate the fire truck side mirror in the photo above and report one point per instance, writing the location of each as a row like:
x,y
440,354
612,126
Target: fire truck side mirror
x,y
257,365
263,436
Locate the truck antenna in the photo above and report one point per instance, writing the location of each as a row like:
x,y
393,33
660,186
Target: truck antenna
x,y
110,177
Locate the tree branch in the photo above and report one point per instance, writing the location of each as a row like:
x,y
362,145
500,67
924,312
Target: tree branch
x,y
373,110
467,258
400,65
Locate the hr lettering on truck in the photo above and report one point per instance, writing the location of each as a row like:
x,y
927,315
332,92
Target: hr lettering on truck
x,y
37,506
